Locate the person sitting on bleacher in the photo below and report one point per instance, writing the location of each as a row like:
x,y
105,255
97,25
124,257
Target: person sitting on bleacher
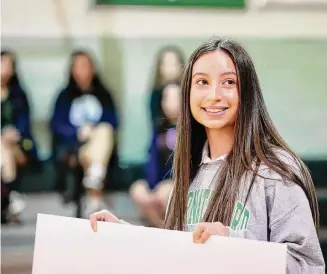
x,y
84,123
151,195
18,147
168,68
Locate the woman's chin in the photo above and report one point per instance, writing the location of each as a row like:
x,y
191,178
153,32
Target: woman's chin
x,y
216,125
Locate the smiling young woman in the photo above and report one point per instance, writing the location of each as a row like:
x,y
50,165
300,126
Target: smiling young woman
x,y
233,174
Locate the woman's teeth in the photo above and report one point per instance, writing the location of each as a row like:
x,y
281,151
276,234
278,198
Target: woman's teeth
x,y
214,110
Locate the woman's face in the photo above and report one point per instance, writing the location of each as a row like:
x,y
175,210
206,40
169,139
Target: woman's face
x,y
214,97
82,71
170,68
7,68
170,102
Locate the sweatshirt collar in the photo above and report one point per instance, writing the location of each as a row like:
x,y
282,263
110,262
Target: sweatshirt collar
x,y
205,155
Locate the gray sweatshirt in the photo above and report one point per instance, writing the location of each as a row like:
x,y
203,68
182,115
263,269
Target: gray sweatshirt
x,y
276,211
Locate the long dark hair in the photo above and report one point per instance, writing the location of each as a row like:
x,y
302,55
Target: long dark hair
x,y
158,81
14,79
256,141
97,87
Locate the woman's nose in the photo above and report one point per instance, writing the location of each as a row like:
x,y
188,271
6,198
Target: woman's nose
x,y
215,92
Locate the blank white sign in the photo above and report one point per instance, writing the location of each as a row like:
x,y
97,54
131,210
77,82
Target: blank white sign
x,y
68,246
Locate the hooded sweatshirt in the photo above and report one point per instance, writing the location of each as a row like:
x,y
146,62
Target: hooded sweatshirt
x,y
276,211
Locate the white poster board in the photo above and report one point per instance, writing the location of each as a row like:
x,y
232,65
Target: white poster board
x,y
68,246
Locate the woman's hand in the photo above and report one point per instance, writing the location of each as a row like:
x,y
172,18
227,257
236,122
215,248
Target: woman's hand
x,y
204,230
102,216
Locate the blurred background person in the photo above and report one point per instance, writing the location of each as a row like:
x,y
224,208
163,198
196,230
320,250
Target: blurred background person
x,y
151,195
169,67
84,124
18,147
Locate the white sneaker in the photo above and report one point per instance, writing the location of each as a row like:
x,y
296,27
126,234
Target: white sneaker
x,y
17,203
92,182
94,177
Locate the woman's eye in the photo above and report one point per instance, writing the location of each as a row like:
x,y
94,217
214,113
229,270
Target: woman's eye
x,y
229,82
202,82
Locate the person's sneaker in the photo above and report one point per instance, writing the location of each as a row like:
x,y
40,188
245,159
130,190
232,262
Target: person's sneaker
x,y
92,182
17,203
16,207
94,177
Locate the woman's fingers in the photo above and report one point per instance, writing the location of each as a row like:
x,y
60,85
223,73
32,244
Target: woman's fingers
x,y
93,221
102,216
204,230
94,218
197,233
204,236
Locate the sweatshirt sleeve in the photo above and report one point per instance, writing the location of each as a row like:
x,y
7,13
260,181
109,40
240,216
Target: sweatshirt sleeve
x,y
122,222
23,116
291,223
60,124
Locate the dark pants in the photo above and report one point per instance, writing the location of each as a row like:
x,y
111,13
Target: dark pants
x,y
5,192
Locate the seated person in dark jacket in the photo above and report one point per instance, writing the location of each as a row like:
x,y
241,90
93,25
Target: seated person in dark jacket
x,y
151,195
168,68
85,121
17,144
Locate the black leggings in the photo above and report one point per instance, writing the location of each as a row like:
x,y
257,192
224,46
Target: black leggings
x,y
5,192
